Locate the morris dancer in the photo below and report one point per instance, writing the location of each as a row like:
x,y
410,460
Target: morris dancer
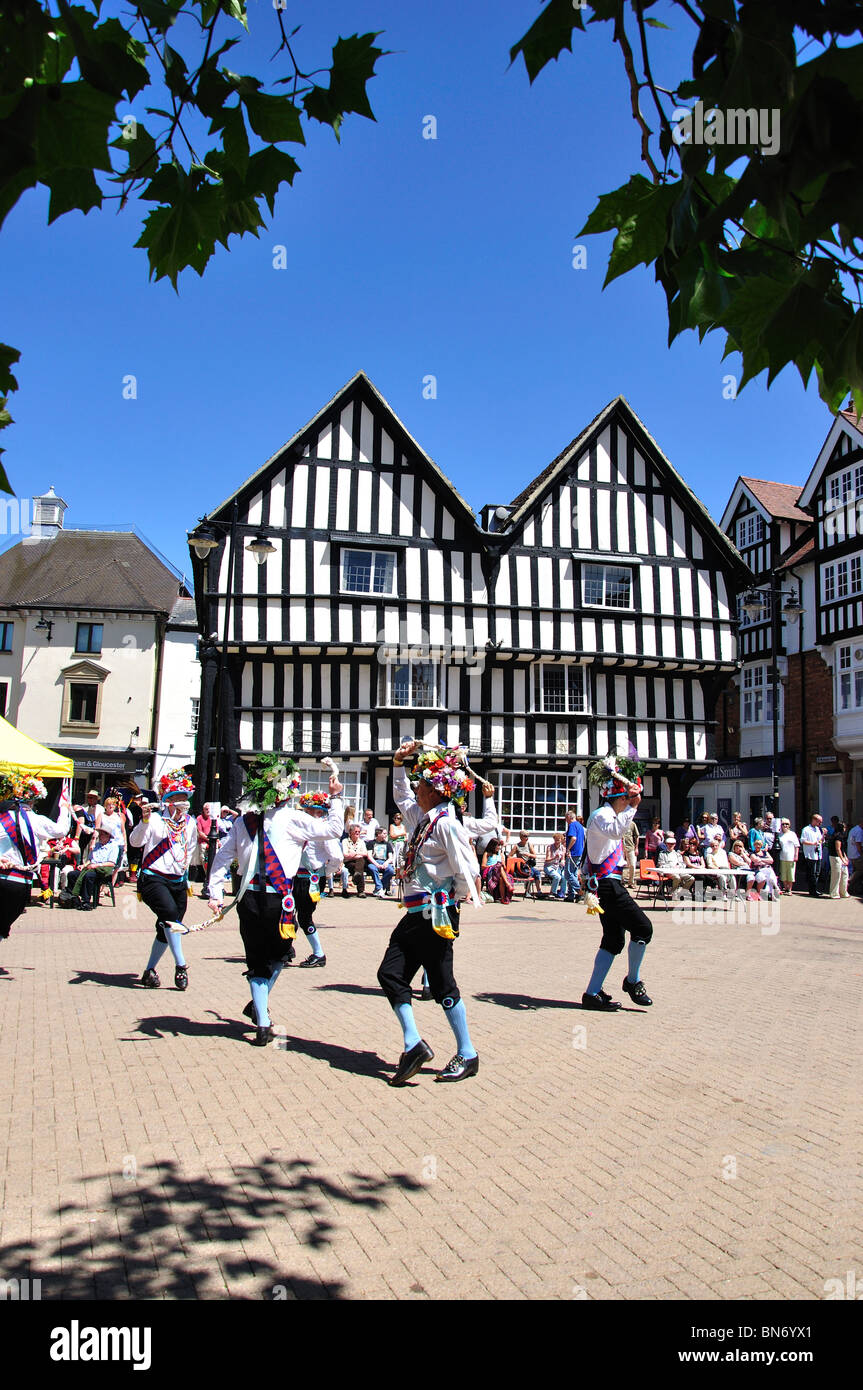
x,y
605,860
319,858
439,868
268,844
167,841
23,834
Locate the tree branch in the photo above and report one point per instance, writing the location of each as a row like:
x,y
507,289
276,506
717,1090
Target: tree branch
x,y
629,63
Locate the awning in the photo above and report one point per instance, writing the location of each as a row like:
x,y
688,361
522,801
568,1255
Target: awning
x,y
21,754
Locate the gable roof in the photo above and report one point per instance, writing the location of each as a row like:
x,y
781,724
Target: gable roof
x,y
359,382
846,422
778,499
621,408
93,570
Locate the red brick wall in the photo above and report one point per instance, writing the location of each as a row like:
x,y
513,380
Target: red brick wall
x,y
809,726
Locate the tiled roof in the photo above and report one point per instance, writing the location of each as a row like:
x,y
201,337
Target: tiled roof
x,y
87,569
779,499
799,554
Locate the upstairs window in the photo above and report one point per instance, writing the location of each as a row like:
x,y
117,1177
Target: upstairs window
x,y
6,630
83,700
606,586
561,689
849,679
842,578
88,638
756,696
196,714
368,572
750,530
410,685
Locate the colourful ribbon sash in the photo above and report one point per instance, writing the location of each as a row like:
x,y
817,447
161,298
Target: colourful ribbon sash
x,y
156,853
12,826
275,876
610,865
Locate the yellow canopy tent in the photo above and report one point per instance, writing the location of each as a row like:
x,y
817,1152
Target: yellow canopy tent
x,y
18,753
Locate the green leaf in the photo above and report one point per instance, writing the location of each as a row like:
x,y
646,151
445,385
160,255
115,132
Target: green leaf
x,y
548,36
176,72
8,355
141,149
72,131
185,233
655,23
274,118
235,140
160,14
72,190
640,211
268,170
237,10
353,65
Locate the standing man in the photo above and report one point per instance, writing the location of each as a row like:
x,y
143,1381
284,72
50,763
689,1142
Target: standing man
x,y
268,844
22,835
620,913
440,868
789,851
630,850
168,841
574,856
855,856
811,840
369,828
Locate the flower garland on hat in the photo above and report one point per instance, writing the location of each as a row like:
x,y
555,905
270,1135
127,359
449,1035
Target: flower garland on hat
x,y
177,782
443,769
21,787
315,801
614,775
271,779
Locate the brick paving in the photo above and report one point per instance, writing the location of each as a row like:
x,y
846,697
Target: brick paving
x,y
708,1147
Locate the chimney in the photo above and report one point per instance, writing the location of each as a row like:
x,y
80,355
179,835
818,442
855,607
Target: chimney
x,y
48,512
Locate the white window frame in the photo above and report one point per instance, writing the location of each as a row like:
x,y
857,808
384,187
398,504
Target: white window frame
x,y
756,697
849,679
386,684
575,701
317,779
194,717
372,556
750,530
535,801
603,603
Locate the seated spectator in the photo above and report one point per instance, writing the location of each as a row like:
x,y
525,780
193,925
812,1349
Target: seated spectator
x,y
738,829
654,840
99,867
740,858
521,863
673,864
495,879
693,854
553,867
357,856
370,827
765,878
382,864
65,854
398,829
716,858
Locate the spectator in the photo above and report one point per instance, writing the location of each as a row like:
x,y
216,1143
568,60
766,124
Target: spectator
x,y
703,831
738,829
357,855
838,861
204,823
398,830
225,821
716,858
654,840
811,839
714,832
630,850
496,881
756,833
824,869
765,877
382,863
134,815
789,851
574,838
370,827
86,820
102,861
855,856
683,831
554,867
672,863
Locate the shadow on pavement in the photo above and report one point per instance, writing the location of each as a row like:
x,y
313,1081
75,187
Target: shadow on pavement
x,y
524,1001
163,1235
171,1025
341,1058
99,977
354,989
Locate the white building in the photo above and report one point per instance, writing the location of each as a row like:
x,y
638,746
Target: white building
x,y
96,658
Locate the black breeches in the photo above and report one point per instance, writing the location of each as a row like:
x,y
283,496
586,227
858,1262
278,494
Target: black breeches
x,y
265,947
415,944
620,914
167,900
14,896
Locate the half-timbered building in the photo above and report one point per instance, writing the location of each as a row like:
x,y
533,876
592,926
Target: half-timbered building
x,y
592,612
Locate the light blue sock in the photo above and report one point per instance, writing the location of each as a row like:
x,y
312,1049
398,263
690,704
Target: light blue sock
x,y
405,1015
260,988
175,945
314,940
636,956
159,949
457,1019
601,966
425,984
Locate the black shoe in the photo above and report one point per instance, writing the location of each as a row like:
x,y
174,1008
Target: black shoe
x,y
600,1002
263,1037
250,1013
181,978
150,979
458,1068
311,961
637,993
410,1063
426,994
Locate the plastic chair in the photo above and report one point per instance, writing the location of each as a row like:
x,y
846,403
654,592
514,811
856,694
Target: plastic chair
x,y
649,877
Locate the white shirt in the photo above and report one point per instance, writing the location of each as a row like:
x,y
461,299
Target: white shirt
x,y
114,823
446,852
287,830
855,842
810,839
43,830
604,831
174,860
369,829
104,854
481,827
788,843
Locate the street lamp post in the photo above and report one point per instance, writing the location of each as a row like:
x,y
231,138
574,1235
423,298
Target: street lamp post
x,y
754,603
204,539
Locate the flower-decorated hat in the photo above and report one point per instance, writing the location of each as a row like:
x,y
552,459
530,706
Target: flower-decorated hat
x,y
442,769
314,801
271,779
177,782
613,775
21,787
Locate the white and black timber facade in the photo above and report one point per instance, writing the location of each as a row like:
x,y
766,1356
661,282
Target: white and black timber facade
x,y
593,612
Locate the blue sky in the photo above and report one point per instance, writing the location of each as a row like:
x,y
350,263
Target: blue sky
x,y
406,257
